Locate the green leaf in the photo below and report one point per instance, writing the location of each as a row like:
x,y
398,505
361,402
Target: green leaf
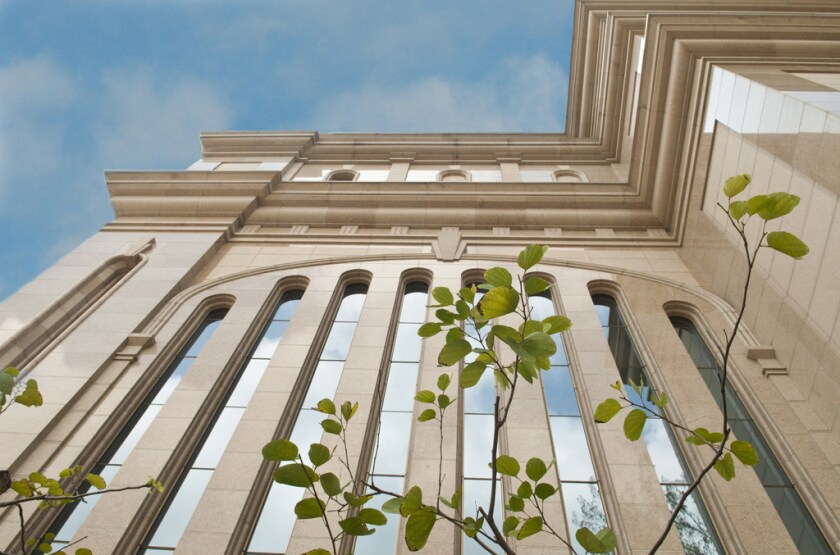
x,y
556,324
317,551
531,256
296,474
331,484
443,296
467,294
331,426
83,551
745,452
524,490
7,383
354,526
11,371
531,526
326,406
515,504
280,450
392,505
426,415
310,508
372,516
21,487
737,209
756,203
660,400
472,373
425,396
444,401
96,481
429,329
507,465
498,277
544,491
413,501
454,351
44,547
602,542
725,466
539,345
787,243
535,285
634,423
30,397
606,410
463,309
778,205
702,436
418,528
445,316
443,381
37,477
354,501
319,454
499,302
535,469
735,184
348,409
509,525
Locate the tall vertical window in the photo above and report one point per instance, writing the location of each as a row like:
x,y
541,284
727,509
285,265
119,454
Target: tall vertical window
x,y
581,493
693,524
802,528
71,518
391,450
478,429
184,497
277,518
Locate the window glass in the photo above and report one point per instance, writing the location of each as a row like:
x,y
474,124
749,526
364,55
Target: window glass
x,y
798,521
185,496
659,439
276,520
584,508
71,518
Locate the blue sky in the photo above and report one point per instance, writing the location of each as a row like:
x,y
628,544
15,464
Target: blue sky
x,y
91,85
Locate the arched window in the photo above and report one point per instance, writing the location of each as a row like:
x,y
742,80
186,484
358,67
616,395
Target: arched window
x,y
390,455
277,516
693,524
799,523
342,175
73,516
186,494
578,482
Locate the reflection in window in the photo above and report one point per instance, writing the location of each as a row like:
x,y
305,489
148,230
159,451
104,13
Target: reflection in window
x,y
797,520
71,518
391,451
579,486
277,517
695,529
479,406
184,497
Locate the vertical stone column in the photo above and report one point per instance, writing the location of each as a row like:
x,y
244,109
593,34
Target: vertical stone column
x,y
399,169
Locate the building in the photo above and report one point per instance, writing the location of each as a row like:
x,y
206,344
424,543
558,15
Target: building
x,y
155,341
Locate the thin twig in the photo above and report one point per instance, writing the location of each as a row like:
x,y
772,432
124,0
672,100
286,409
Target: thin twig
x,y
72,497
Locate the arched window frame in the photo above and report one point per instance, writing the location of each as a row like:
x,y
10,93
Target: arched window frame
x,y
579,175
442,175
342,175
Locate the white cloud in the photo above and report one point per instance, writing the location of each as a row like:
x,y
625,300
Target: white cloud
x,y
520,94
154,122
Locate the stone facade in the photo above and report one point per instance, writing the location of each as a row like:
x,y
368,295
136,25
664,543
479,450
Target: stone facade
x,y
666,100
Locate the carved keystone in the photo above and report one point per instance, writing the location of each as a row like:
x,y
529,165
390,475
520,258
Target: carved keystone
x,y
449,246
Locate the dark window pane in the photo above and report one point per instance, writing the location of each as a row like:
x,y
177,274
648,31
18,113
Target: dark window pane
x,y
401,387
172,381
202,338
559,393
171,528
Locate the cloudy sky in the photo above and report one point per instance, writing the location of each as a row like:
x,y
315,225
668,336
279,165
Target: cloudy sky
x,y
91,85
